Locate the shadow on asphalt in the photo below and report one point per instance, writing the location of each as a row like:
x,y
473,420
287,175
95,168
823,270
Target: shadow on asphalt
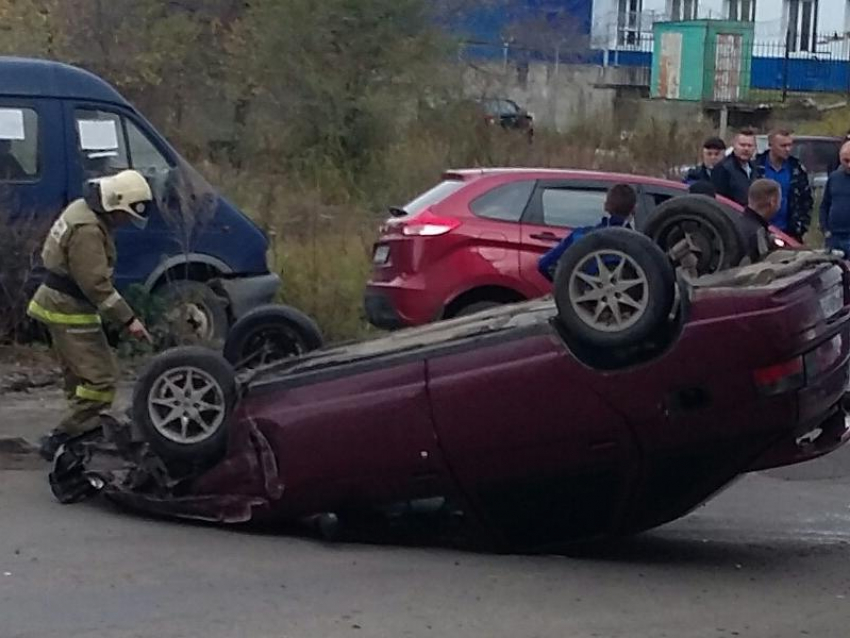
x,y
834,466
664,547
658,548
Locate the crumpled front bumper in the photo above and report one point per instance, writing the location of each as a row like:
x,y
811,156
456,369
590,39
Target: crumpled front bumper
x,y
111,462
244,487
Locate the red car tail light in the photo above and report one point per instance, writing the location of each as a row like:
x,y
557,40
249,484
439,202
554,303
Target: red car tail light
x,y
781,377
429,225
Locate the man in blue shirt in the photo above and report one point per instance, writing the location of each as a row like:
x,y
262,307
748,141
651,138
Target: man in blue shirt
x,y
620,208
779,165
835,206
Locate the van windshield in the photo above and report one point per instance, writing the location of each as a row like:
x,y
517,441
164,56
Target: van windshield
x,y
434,196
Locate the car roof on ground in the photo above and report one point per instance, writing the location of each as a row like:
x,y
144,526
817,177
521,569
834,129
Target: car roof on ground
x,y
30,77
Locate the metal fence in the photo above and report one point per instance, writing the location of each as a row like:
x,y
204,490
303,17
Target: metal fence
x,y
776,68
771,71
636,57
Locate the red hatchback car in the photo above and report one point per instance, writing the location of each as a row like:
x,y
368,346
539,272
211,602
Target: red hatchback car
x,y
473,240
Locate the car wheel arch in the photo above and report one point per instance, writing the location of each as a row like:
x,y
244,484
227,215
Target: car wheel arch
x,y
482,293
190,267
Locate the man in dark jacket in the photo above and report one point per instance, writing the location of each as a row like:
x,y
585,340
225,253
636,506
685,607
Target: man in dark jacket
x,y
835,163
835,206
778,164
764,200
712,154
732,177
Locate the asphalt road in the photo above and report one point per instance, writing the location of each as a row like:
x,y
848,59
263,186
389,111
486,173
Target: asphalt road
x,y
769,557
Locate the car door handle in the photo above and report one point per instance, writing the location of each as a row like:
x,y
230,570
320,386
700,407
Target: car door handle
x,y
545,236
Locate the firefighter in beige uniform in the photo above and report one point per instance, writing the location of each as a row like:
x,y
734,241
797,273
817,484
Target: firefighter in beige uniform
x,y
78,294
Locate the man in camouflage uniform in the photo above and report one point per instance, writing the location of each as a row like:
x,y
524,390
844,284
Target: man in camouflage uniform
x,y
78,294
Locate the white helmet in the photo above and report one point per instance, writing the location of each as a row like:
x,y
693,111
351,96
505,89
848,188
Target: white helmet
x,y
127,192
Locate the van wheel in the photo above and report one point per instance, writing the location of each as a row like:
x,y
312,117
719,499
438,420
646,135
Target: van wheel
x,y
269,334
182,403
711,228
614,288
193,313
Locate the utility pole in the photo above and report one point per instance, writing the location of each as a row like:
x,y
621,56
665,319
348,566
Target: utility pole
x,y
785,63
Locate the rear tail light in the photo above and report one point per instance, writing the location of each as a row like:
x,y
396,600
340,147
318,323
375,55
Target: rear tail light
x,y
824,357
428,225
782,377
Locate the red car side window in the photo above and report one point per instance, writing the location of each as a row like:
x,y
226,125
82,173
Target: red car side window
x,y
572,208
504,203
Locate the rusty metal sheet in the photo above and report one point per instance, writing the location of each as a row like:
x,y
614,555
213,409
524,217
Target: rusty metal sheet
x,y
727,67
670,64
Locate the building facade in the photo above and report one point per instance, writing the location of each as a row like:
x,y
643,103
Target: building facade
x,y
812,27
813,35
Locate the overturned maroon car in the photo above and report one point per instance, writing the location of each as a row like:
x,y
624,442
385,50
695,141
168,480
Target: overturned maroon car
x,y
630,398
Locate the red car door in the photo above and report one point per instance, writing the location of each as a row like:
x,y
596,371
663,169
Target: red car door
x,y
362,435
494,229
557,207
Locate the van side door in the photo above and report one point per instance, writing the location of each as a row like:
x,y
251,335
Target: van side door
x,y
32,191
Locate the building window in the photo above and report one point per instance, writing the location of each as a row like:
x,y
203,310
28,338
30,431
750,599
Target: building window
x,y
743,10
628,21
683,9
802,20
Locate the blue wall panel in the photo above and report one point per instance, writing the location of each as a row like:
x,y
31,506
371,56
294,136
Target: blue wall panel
x,y
803,75
488,23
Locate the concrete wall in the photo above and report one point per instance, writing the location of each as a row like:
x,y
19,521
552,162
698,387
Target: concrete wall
x,y
558,97
578,95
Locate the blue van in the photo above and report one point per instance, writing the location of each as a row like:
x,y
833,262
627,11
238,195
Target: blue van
x,y
61,125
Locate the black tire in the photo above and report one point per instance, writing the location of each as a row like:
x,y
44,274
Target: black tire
x,y
637,258
193,313
712,228
195,444
271,333
478,306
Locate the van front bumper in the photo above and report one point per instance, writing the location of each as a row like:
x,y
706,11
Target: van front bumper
x,y
246,293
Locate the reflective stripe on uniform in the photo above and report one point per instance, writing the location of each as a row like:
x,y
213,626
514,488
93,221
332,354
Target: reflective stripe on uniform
x,y
37,311
111,300
90,394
